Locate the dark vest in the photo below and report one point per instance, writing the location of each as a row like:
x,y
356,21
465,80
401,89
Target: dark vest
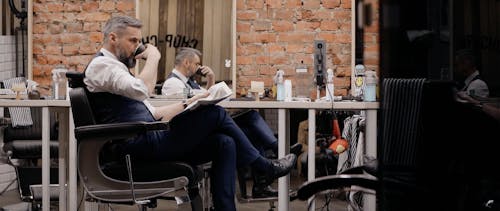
x,y
112,108
464,88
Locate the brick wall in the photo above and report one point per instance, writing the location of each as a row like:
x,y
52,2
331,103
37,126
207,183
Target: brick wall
x,y
68,32
271,35
279,34
372,39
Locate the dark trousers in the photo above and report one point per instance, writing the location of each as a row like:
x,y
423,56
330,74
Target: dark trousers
x,y
205,134
257,130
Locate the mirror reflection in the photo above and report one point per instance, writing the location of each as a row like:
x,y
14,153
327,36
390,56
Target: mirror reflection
x,y
13,39
201,24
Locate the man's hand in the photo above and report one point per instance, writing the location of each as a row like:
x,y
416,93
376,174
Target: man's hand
x,y
207,72
209,75
151,52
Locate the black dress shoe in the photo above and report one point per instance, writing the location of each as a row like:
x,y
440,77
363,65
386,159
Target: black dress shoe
x,y
296,149
281,167
263,191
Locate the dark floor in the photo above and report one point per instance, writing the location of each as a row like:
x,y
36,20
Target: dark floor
x,y
10,198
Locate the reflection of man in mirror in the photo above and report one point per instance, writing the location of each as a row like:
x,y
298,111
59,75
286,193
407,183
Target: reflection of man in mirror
x,y
467,75
187,64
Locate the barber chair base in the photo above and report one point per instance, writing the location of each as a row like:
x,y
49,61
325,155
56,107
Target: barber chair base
x,y
19,206
36,192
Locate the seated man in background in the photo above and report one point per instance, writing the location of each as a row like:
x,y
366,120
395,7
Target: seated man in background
x,y
468,76
197,136
187,64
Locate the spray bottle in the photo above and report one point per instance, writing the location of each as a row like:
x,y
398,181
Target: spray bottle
x,y
329,85
278,79
59,82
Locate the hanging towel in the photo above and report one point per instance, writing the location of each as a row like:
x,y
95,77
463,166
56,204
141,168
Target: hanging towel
x,y
20,116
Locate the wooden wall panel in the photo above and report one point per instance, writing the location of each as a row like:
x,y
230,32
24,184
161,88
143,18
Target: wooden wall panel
x,y
203,24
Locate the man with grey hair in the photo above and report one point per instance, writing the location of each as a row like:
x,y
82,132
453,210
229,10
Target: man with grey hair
x,y
187,64
116,95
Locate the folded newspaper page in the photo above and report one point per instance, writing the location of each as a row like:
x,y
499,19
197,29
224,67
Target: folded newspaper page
x,y
218,92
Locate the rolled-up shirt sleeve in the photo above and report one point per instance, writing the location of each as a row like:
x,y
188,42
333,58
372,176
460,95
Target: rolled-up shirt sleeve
x,y
109,75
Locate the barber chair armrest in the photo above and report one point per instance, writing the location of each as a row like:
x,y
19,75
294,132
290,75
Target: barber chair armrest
x,y
370,167
332,182
118,130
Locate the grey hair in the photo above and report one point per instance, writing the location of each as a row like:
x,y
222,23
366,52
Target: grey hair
x,y
119,23
186,53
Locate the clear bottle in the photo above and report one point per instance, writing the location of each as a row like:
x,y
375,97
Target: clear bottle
x,y
280,96
329,85
59,82
370,89
359,83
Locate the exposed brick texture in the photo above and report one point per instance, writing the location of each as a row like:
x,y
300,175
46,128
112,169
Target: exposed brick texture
x,y
271,35
279,34
68,32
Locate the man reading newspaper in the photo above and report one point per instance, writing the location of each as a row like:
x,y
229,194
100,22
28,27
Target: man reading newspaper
x,y
186,65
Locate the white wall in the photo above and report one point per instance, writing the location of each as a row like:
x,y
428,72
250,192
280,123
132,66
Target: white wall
x,y
7,57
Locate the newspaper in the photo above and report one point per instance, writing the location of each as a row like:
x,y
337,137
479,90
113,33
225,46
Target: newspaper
x,y
218,92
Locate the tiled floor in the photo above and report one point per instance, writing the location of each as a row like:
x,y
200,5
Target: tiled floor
x,y
12,197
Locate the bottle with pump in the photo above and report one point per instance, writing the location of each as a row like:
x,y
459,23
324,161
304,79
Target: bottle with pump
x,y
370,90
59,82
359,83
329,85
278,79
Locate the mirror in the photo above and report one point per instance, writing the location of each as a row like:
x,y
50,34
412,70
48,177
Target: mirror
x,y
206,25
14,39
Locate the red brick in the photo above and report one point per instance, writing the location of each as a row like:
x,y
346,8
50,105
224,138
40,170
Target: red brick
x,y
123,6
243,27
240,4
70,6
329,26
107,6
71,38
282,26
346,4
274,3
311,4
295,48
330,4
74,27
90,6
307,26
55,7
261,26
284,14
91,27
39,28
296,37
244,60
292,4
246,15
70,50
255,4
96,37
56,28
53,49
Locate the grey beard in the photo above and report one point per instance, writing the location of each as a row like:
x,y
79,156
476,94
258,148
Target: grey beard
x,y
128,61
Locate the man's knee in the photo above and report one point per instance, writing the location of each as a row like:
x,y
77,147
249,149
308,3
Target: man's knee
x,y
226,144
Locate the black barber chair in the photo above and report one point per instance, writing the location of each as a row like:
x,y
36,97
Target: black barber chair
x,y
107,178
23,146
422,164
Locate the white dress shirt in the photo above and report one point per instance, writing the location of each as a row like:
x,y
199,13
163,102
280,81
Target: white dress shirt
x,y
107,74
476,87
174,86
